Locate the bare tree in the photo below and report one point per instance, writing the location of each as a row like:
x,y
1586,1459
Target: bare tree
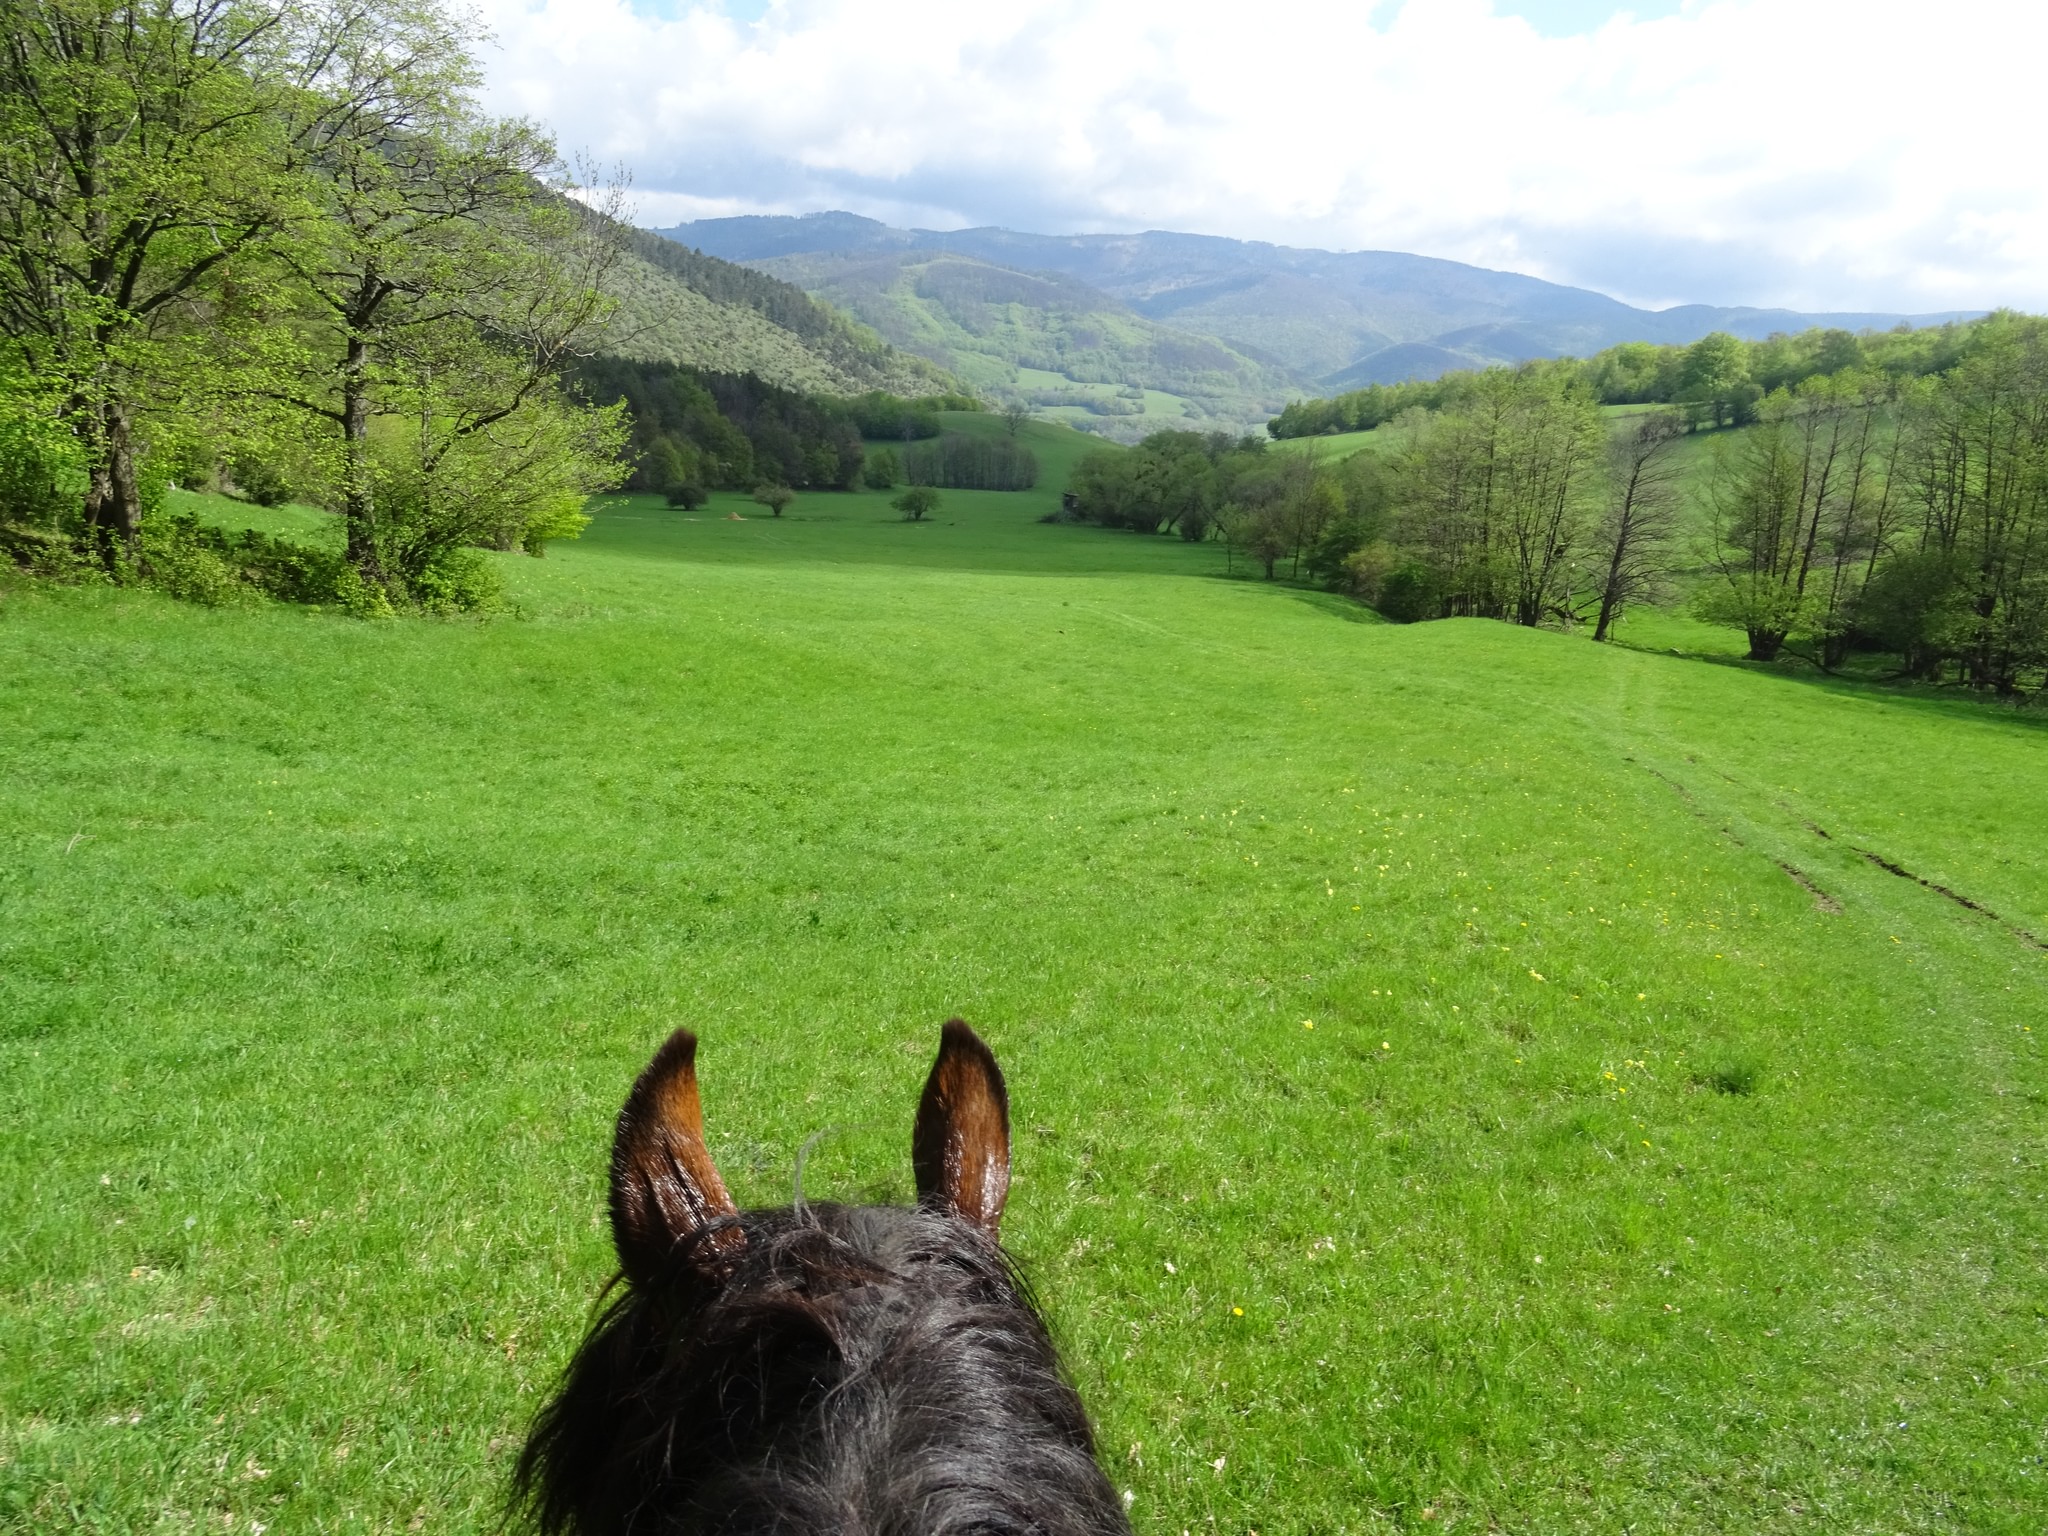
x,y
1015,414
1642,503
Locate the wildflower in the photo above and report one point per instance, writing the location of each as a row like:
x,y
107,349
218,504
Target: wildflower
x,y
1386,1045
1237,1311
1537,974
1308,1023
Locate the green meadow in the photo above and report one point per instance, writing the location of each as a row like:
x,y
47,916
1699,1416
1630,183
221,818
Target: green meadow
x,y
1464,1079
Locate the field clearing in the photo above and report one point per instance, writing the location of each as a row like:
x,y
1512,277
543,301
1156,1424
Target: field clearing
x,y
1465,1079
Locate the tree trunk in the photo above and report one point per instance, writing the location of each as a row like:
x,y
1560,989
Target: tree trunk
x,y
1605,622
358,493
113,501
1764,644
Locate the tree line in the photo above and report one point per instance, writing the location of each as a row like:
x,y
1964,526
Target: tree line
x,y
1718,380
693,431
1862,508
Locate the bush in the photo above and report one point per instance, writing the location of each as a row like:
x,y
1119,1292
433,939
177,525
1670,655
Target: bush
x,y
882,470
459,581
200,564
1411,593
688,495
260,481
917,503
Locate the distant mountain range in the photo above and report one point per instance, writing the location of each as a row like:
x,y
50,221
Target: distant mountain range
x,y
1302,320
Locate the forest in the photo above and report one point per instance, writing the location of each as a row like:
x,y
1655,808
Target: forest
x,y
1901,509
1718,380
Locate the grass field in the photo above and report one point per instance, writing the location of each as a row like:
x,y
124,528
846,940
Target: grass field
x,y
1465,1079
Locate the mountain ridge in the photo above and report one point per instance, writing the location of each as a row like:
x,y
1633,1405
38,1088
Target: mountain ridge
x,y
1331,319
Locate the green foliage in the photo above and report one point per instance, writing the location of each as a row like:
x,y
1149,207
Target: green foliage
x,y
881,470
42,465
890,416
207,564
1722,377
774,497
257,478
458,580
726,431
971,462
917,503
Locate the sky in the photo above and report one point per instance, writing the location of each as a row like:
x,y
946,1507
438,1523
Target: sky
x,y
1811,154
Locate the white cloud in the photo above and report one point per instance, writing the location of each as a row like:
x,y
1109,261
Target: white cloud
x,y
1823,154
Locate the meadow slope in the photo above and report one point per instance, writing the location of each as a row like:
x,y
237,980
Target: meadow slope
x,y
1465,1079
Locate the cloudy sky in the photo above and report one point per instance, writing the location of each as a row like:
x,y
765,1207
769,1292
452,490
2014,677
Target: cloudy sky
x,y
1818,154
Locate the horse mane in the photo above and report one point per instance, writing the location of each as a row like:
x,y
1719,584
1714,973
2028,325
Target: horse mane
x,y
854,1370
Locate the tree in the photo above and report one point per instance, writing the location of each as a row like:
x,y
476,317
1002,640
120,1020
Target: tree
x,y
1015,414
687,494
1496,494
1799,515
774,497
440,265
1976,464
147,151
881,470
661,467
917,503
1633,546
1714,378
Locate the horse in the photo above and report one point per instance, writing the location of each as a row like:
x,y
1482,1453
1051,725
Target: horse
x,y
859,1370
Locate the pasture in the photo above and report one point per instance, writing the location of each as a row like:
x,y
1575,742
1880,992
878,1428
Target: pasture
x,y
1463,1079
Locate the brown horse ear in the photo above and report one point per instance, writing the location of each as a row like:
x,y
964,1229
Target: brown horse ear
x,y
960,1148
665,1188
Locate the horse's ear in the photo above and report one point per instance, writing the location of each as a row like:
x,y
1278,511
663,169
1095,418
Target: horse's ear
x,y
960,1148
665,1188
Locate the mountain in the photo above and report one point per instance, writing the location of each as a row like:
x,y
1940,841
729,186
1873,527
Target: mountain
x,y
1331,320
682,306
1064,347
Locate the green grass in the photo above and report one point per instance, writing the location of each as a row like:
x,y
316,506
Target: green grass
x,y
1335,447
1623,1181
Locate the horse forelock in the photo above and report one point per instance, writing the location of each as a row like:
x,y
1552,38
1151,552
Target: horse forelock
x,y
859,1369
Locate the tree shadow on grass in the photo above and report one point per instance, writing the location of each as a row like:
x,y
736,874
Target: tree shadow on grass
x,y
1338,606
2029,711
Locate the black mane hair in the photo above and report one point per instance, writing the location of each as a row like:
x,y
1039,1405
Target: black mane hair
x,y
852,1370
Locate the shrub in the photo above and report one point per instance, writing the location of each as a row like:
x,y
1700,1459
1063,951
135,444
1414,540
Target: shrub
x,y
688,495
260,481
190,560
917,503
1410,593
459,581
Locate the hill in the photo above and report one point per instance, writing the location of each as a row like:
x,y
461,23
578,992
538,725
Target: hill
x,y
1334,320
1050,340
680,306
1463,1077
